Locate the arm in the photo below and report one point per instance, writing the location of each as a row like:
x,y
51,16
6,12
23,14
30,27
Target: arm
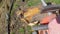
x,y
47,19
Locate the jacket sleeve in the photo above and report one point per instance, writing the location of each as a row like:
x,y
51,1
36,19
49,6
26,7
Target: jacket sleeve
x,y
47,19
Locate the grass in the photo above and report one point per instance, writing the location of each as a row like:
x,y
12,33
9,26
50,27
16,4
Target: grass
x,y
54,1
35,2
21,30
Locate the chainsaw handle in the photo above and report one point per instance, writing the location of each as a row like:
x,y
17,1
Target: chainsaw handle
x,y
50,7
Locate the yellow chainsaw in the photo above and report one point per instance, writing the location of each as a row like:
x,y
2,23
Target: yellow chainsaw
x,y
28,14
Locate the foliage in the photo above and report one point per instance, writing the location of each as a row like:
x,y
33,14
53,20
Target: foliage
x,y
33,2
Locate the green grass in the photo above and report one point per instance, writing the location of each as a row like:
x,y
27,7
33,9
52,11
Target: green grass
x,y
54,1
36,2
21,30
33,2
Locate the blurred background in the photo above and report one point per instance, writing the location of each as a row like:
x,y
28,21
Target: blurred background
x,y
16,25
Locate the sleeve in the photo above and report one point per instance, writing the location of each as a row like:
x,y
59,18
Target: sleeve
x,y
47,19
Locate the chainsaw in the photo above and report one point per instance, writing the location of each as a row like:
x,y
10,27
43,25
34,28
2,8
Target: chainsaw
x,y
32,15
